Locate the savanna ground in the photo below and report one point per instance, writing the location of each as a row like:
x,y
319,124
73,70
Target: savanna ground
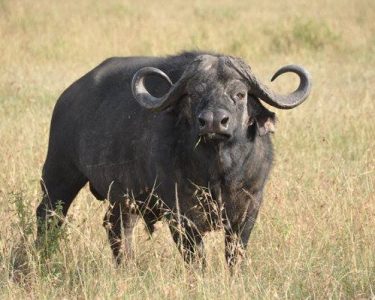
x,y
315,236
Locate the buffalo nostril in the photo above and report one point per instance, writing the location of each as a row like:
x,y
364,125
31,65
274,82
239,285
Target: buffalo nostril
x,y
224,121
202,122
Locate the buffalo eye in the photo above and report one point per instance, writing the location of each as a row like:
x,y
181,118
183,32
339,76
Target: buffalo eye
x,y
240,96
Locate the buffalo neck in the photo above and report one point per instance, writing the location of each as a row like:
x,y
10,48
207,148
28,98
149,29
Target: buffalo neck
x,y
233,163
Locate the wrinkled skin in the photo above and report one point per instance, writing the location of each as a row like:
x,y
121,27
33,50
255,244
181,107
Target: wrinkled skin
x,y
176,163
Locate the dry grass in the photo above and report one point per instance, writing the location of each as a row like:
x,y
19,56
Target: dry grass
x,y
315,237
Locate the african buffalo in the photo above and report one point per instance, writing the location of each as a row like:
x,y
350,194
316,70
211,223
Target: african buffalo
x,y
183,138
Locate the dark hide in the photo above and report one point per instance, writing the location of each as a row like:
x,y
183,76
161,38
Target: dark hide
x,y
141,160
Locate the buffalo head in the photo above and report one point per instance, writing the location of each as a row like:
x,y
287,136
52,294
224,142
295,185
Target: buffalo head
x,y
219,96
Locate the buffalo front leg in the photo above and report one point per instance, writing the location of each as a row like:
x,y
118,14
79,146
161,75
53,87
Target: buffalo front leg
x,y
189,243
129,221
237,237
234,248
117,221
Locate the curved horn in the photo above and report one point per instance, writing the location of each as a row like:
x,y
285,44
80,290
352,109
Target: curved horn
x,y
148,101
291,100
267,95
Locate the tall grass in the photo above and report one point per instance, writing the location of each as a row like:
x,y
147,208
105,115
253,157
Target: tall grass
x,y
315,236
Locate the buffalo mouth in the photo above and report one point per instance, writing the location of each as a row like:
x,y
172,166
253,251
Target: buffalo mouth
x,y
214,136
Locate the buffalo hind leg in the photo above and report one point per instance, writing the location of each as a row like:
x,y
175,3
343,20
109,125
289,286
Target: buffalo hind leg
x,y
59,186
116,219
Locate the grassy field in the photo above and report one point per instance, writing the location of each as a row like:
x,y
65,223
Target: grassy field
x,y
315,236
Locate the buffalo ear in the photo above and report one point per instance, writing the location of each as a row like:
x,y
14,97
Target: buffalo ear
x,y
266,122
264,119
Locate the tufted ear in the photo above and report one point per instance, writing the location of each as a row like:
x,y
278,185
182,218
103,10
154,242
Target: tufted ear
x,y
266,122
